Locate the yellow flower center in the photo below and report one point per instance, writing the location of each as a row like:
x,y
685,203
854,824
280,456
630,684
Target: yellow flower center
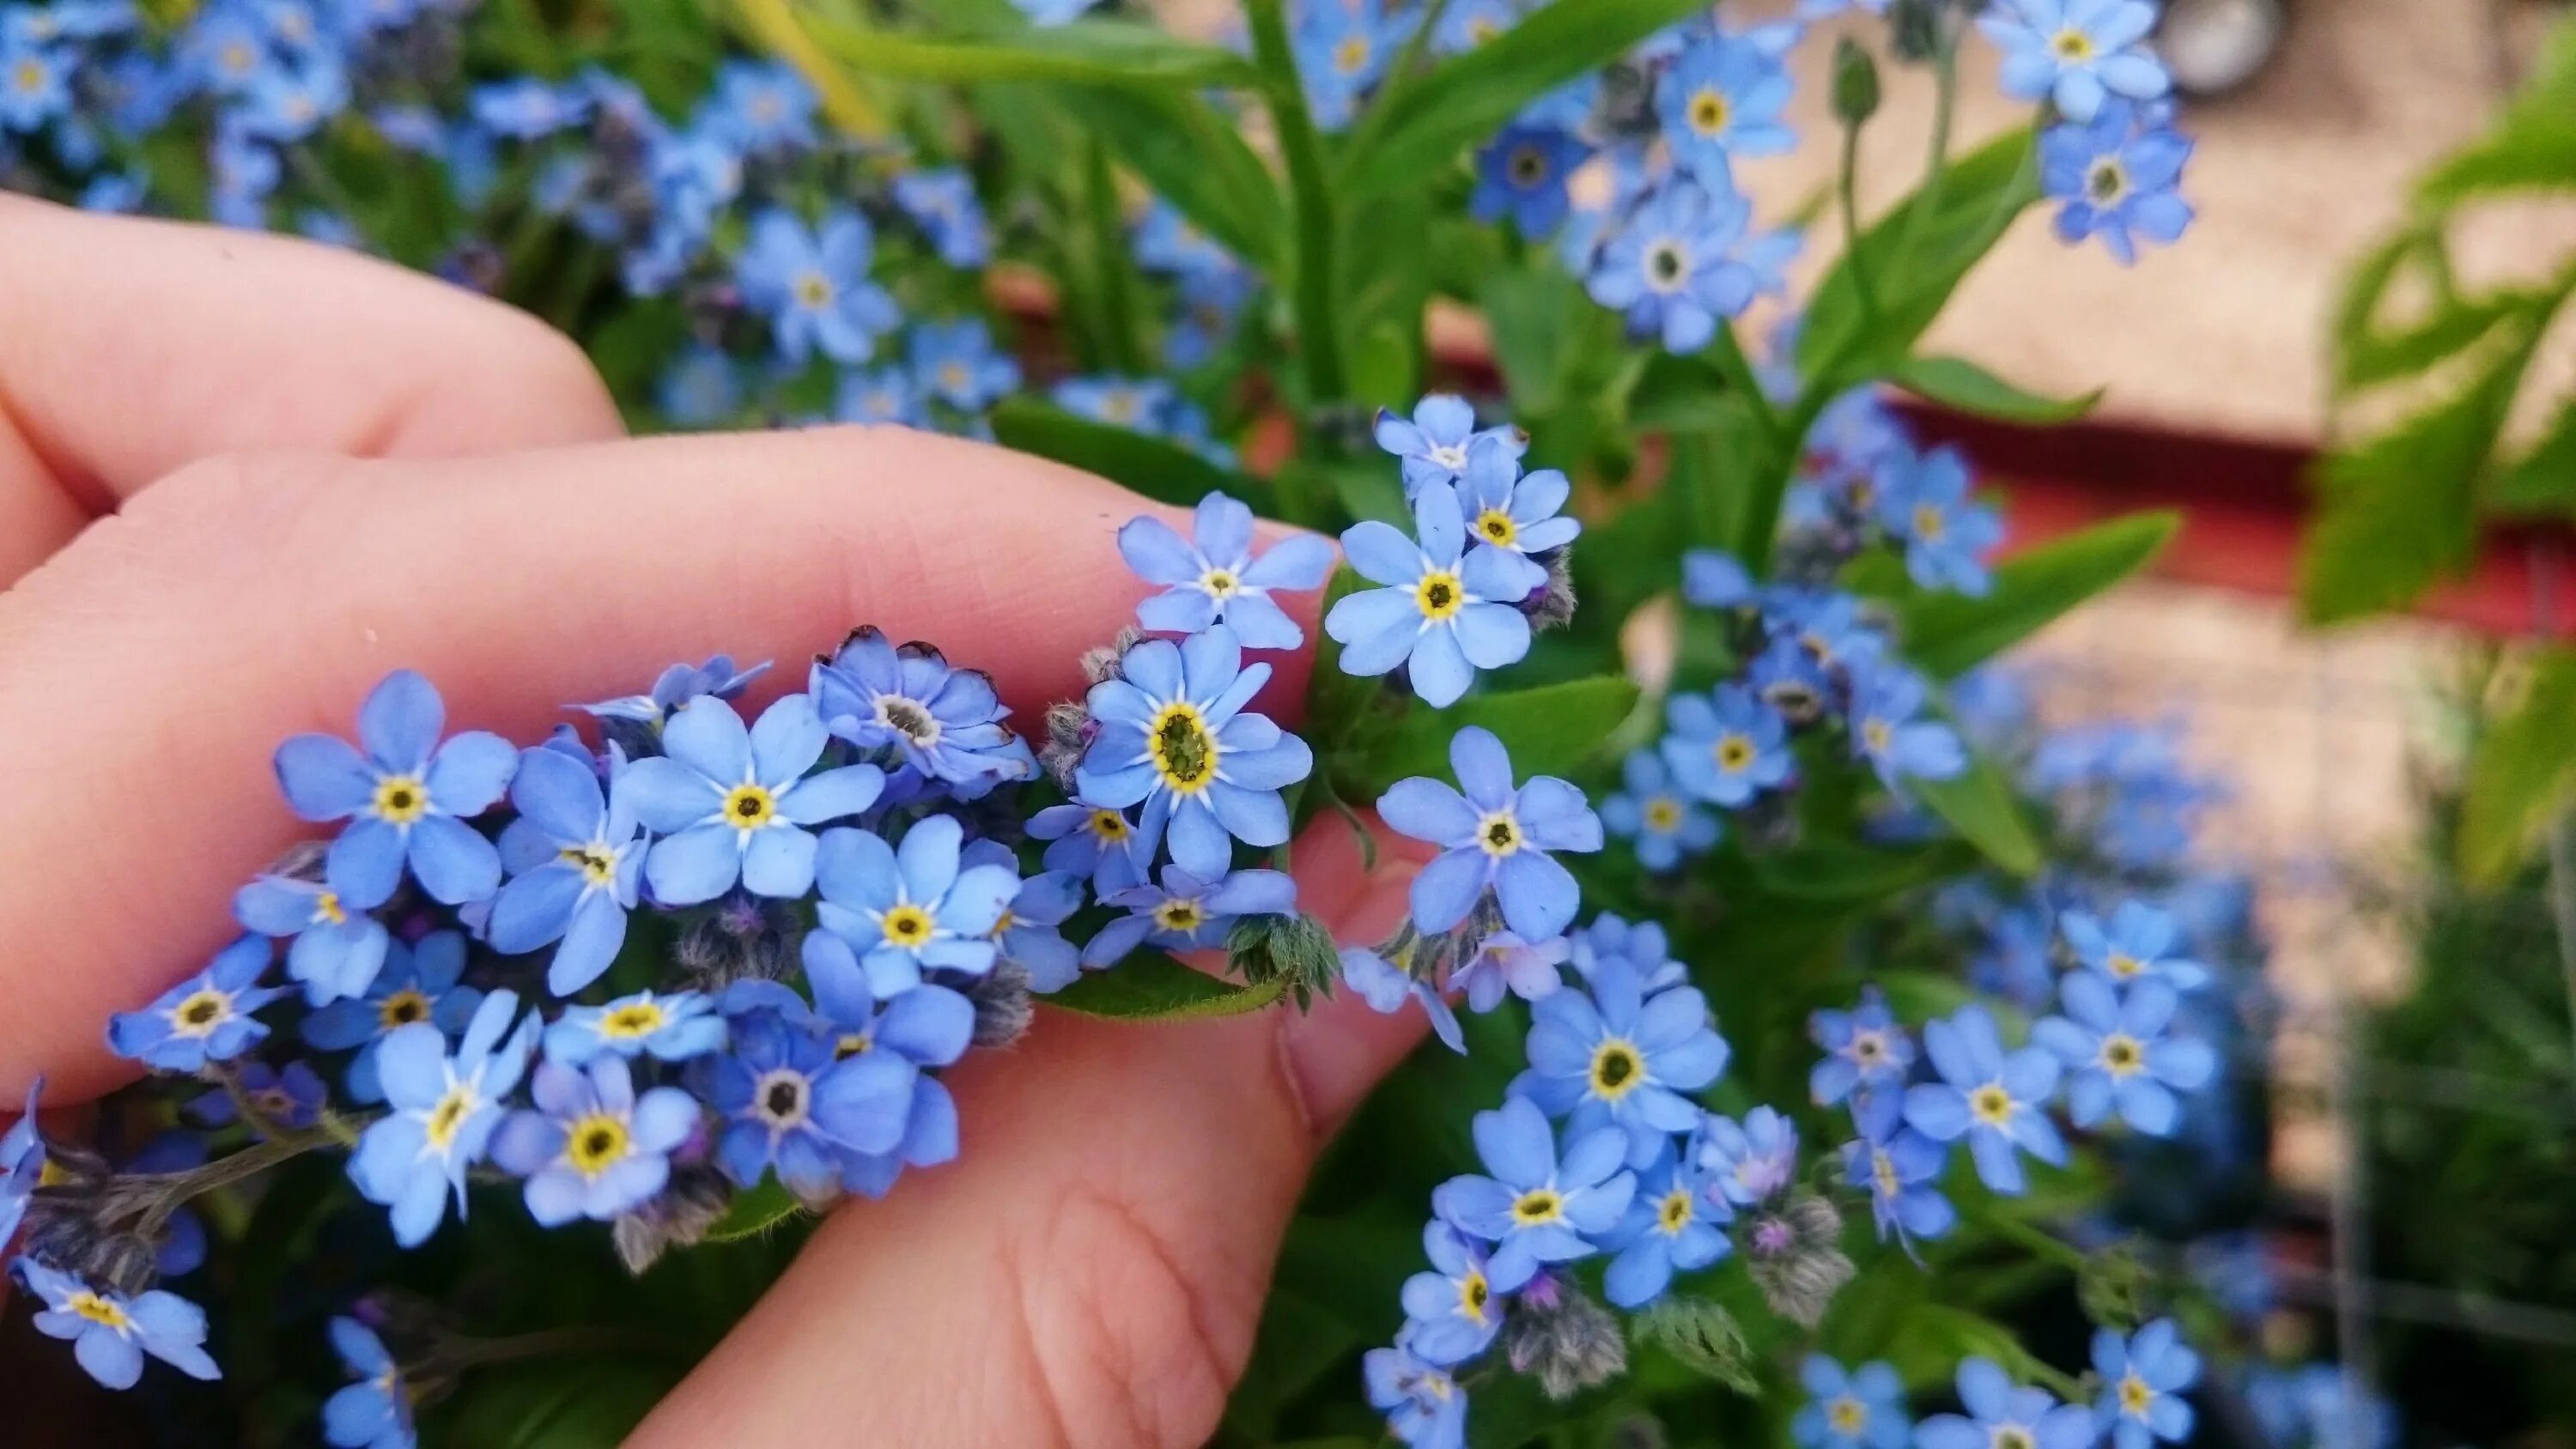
x,y
1496,527
1674,1213
403,1008
814,290
236,59
1219,583
1877,735
1178,916
1930,523
1734,752
1616,1069
1882,1172
2122,1054
1499,834
906,926
857,1043
401,799
634,1019
749,807
1991,1104
954,377
1184,752
449,1115
598,863
2012,1436
1351,56
201,1013
30,76
1121,407
326,907
1536,1206
1663,814
2123,965
1109,825
98,1310
1474,1295
52,1174
596,1143
1439,595
1708,112
2072,44
2135,1397
1847,1415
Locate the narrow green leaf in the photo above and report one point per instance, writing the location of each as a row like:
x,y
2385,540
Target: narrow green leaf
x,y
755,1211
1677,393
1371,490
1704,1337
1986,189
1091,52
2531,147
1979,804
1150,986
1464,100
2523,776
592,1402
2543,479
2369,351
1829,870
1955,382
1529,312
1163,471
1193,158
1551,730
1947,634
1311,201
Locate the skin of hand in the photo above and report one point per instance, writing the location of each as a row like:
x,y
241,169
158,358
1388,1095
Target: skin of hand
x,y
243,477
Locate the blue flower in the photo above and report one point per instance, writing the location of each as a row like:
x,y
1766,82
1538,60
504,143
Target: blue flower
x,y
1946,532
671,1028
2118,1053
1862,1408
942,202
1517,514
2000,1414
1030,934
1493,837
2118,177
881,395
1173,738
760,106
1534,1208
2077,52
444,1109
1643,947
287,101
1211,303
524,108
794,1104
1901,1170
35,84
1213,578
1726,746
1435,441
1449,611
698,389
1087,841
814,289
206,1018
944,724
22,1164
1451,1312
1884,731
1665,823
1713,579
291,1098
1866,1053
410,795
1522,174
1619,1056
732,803
1342,50
1170,243
1722,98
577,858
110,1332
1425,1407
1673,1225
419,983
374,1412
336,954
928,1026
1671,267
906,911
1467,24
2012,959
1504,962
1829,629
2138,943
1751,1161
676,686
1386,989
1994,1099
957,363
2142,1383
593,1148
1053,12
1188,912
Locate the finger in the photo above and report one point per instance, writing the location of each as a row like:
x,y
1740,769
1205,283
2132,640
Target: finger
x,y
1091,1269
149,671
129,348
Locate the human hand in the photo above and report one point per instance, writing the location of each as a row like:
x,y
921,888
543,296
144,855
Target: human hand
x,y
291,450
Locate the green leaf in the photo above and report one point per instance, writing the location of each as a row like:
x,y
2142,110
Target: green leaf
x,y
1150,986
1948,634
755,1211
1955,382
1163,471
1371,490
1530,312
1984,191
2531,147
1979,804
1551,730
2522,776
1676,393
1193,158
2543,479
1832,870
1704,1337
589,1403
1465,99
1091,52
2367,353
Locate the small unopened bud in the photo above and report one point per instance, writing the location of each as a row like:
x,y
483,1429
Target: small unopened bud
x,y
638,739
1562,1337
1104,662
1069,728
1916,26
696,1197
743,938
1296,949
1855,83
1796,1258
1003,1004
1551,604
1625,103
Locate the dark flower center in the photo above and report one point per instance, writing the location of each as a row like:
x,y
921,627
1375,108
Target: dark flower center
x,y
1665,263
1528,166
908,718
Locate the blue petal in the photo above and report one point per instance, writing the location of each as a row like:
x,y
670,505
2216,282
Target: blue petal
x,y
698,864
400,721
323,777
471,771
453,863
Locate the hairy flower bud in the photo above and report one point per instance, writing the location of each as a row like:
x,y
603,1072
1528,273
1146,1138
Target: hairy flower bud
x,y
1069,729
1795,1257
742,938
680,1217
1559,1334
1004,1006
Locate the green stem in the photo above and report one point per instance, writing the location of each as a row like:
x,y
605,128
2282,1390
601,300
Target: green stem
x,y
177,1188
1319,342
1110,281
1936,165
1849,189
2043,1245
1729,351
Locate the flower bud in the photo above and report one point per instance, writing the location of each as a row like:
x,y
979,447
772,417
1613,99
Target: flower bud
x,y
1855,83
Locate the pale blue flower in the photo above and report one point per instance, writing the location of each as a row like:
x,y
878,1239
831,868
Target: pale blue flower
x,y
410,794
918,907
1444,611
444,1108
1215,578
1174,738
1997,1100
732,804
2078,53
1495,837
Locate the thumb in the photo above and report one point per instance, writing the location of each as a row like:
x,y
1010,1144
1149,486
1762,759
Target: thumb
x,y
1091,1269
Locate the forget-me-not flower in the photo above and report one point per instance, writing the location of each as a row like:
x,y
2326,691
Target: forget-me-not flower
x,y
1494,837
813,286
1673,1225
1434,443
410,795
1188,912
1534,1208
206,1018
671,1028
942,202
1174,738
419,983
2000,1414
929,1026
336,952
2076,52
1721,98
2143,1377
1752,1160
881,395
22,1164
1387,987
1452,1311
1447,610
444,1109
2117,1054
1342,49
1214,578
577,857
1093,842
1866,1055
1616,1055
1996,1099
957,363
676,686
2117,177
1900,1168
374,1412
1886,698
1665,823
593,1148
1672,268
793,1103
1726,746
944,722
2138,941
1425,1406
1516,513
732,804
1530,970
1522,174
906,909
1946,532
110,1332
1862,1408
